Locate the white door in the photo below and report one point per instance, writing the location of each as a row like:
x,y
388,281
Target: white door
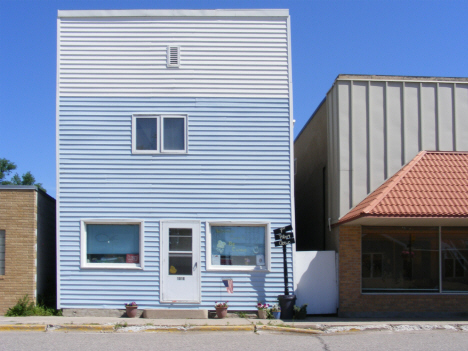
x,y
180,261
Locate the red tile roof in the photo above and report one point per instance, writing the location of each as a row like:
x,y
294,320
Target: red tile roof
x,y
433,185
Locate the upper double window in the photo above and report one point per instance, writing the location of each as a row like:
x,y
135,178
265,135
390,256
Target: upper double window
x,y
153,134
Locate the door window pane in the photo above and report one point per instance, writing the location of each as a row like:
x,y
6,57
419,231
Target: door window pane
x,y
113,243
180,239
174,133
239,246
400,259
454,259
180,264
146,134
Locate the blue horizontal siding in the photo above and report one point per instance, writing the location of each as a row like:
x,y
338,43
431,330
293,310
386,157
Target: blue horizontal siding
x,y
237,168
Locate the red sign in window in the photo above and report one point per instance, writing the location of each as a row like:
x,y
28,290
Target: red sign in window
x,y
133,258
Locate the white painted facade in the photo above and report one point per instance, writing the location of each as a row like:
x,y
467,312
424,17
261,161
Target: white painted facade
x,y
233,87
222,53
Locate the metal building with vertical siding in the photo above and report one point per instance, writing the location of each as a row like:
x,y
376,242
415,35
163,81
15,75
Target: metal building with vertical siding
x,y
174,157
365,130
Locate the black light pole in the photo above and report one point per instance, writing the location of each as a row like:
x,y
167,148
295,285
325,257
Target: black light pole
x,y
283,237
285,269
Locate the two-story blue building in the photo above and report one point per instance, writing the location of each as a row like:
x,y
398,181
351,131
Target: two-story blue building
x,y
174,157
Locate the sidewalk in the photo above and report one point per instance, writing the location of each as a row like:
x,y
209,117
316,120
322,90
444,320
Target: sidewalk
x,y
311,325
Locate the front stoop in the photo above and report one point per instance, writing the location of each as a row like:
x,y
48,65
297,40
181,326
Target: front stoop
x,y
175,314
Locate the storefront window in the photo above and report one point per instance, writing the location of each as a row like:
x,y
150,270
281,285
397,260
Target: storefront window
x,y
400,259
111,245
239,246
454,246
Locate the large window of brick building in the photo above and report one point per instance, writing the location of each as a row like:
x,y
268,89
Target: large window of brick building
x,y
410,259
400,259
454,246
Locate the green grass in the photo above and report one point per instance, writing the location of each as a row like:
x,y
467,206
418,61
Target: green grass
x,y
241,314
120,325
24,308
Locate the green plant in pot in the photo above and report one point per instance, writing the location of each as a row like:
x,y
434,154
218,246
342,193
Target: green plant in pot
x,y
275,311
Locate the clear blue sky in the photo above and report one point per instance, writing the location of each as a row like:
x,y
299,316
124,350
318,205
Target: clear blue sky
x,y
417,38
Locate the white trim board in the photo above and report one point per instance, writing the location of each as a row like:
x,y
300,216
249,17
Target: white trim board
x,y
176,13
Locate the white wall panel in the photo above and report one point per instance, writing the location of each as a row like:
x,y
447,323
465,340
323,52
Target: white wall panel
x,y
461,108
428,103
343,129
394,127
377,133
359,142
411,121
446,116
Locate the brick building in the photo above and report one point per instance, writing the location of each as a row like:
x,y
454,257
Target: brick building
x,y
404,248
27,244
368,131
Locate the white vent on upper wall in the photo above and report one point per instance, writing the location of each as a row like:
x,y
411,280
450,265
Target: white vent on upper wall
x,y
173,56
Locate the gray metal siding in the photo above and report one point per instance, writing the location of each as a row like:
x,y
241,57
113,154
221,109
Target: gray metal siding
x,y
237,168
382,125
219,57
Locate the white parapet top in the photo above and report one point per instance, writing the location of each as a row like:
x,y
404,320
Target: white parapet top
x,y
176,13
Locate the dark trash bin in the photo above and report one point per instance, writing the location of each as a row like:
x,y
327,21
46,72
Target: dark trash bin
x,y
287,303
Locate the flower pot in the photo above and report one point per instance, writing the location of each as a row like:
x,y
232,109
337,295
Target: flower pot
x,y
262,314
131,311
276,314
221,312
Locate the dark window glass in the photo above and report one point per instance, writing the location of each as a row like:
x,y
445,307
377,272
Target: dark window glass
x,y
400,259
113,243
174,133
454,244
146,134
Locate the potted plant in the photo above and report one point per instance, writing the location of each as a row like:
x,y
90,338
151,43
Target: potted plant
x,y
131,309
262,310
221,309
276,311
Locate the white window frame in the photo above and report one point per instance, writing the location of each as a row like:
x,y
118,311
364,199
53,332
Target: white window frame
x,y
184,151
266,224
83,242
134,134
160,133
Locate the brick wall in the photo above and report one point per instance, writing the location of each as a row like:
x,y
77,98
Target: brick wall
x,y
354,304
18,218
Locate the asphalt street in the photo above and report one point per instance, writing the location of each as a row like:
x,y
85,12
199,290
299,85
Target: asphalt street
x,y
439,340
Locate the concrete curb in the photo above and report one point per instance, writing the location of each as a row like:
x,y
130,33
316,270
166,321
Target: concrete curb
x,y
222,328
289,330
23,327
83,328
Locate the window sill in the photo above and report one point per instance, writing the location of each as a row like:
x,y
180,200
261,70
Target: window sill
x,y
111,266
237,269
